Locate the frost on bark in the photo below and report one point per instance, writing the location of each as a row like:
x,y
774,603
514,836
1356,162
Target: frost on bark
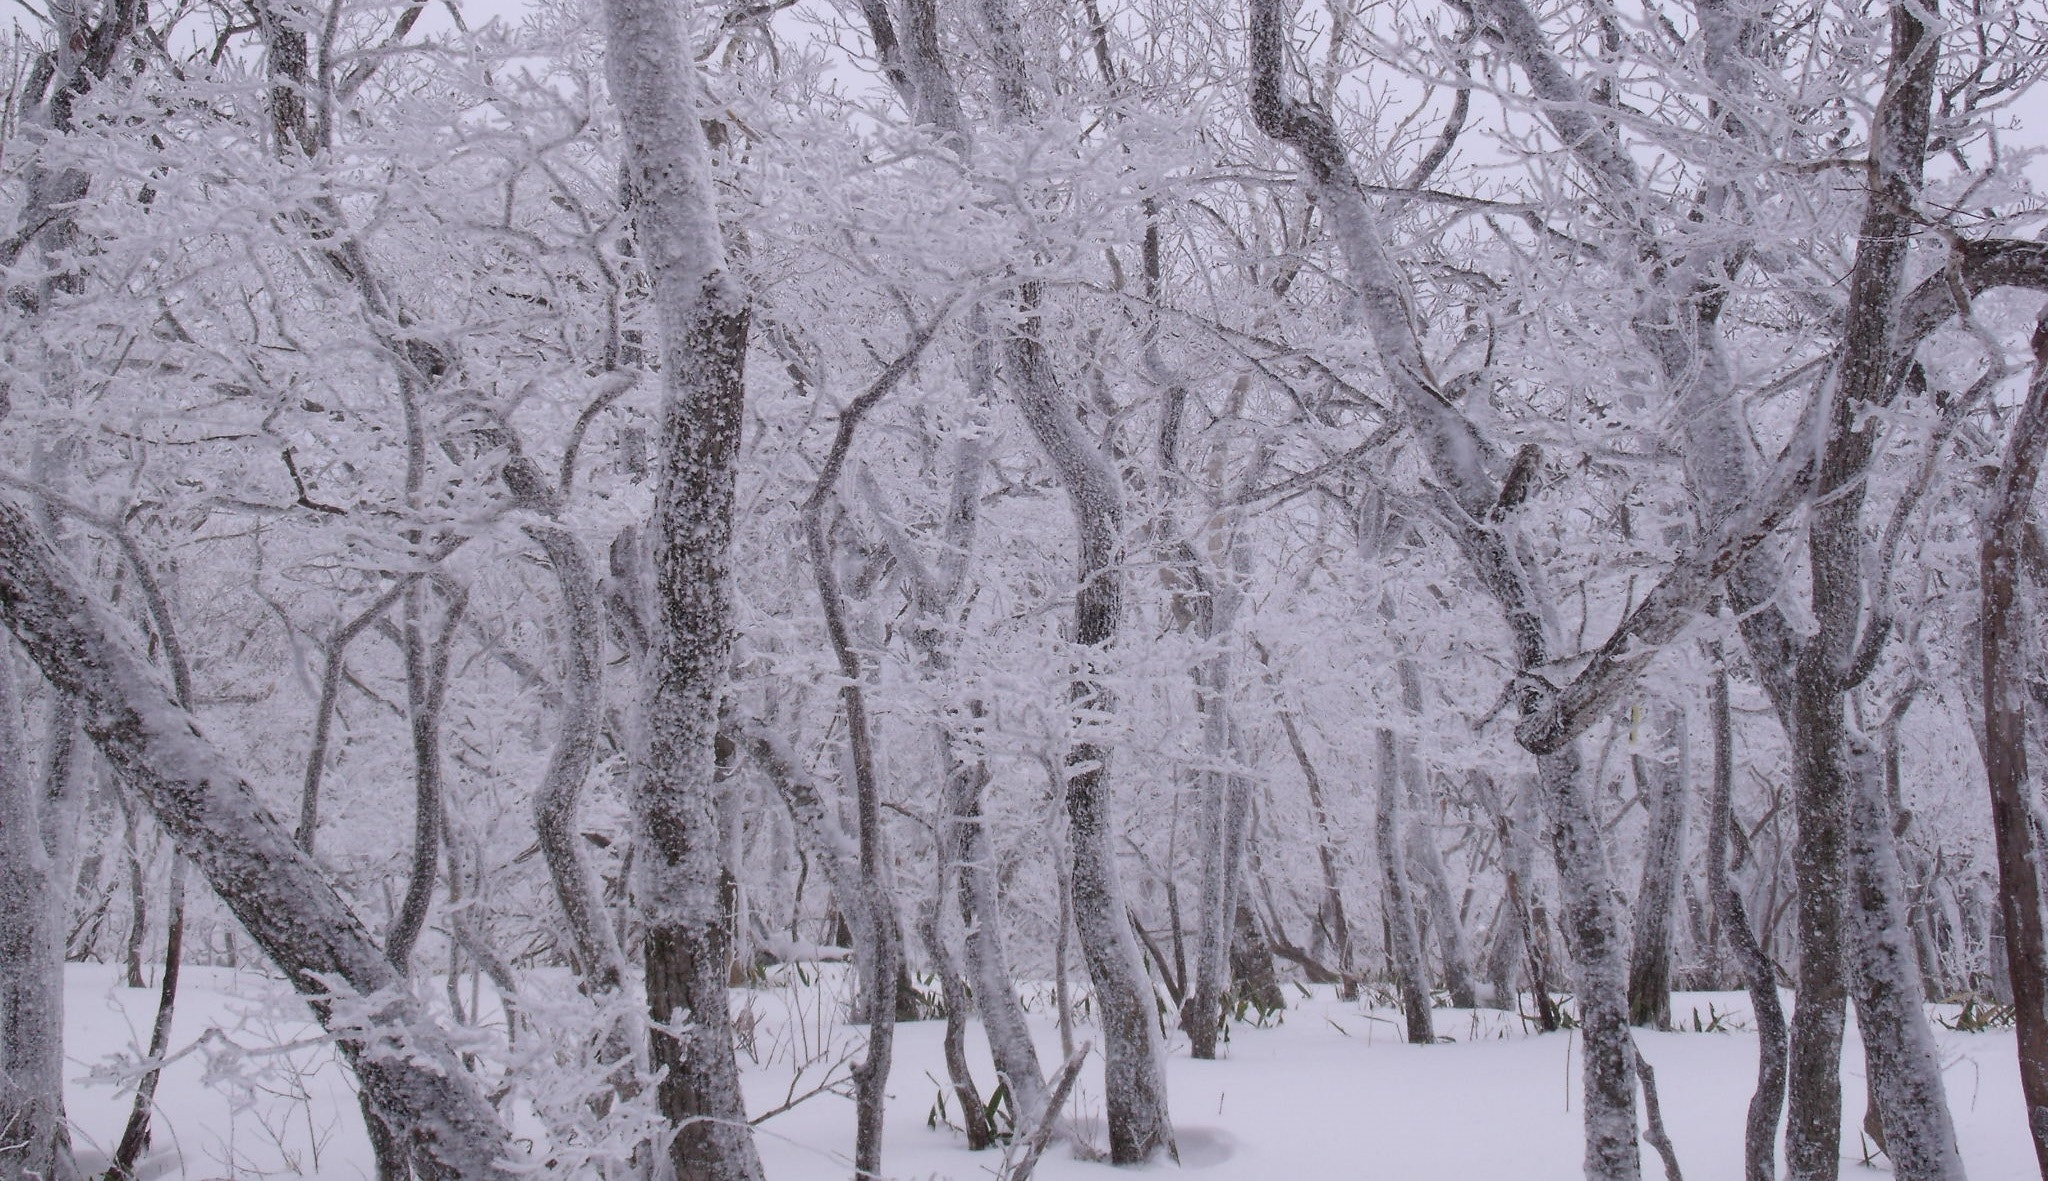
x,y
680,878
1760,1136
1134,1086
1664,788
1476,506
1898,1047
1847,869
1404,945
2007,743
35,1135
968,873
866,894
598,956
410,1074
1224,813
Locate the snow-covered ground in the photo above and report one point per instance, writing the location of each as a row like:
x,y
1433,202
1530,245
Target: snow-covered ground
x,y
1330,1092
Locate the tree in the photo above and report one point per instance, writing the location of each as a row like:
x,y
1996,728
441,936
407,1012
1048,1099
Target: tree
x,y
704,320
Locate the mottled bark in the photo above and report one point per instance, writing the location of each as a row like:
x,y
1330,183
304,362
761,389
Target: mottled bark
x,y
1898,1047
1665,792
35,1135
1134,1087
676,795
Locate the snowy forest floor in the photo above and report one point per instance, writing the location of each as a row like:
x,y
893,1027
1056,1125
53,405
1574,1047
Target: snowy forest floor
x,y
1330,1092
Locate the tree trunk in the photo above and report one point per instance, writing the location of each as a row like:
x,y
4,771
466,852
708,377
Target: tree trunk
x,y
1760,1138
1898,1047
1134,1087
1599,949
1404,945
1665,788
988,962
598,956
213,817
35,1135
1330,910
953,987
2016,836
1424,862
676,795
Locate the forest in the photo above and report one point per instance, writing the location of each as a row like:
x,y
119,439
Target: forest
x,y
735,589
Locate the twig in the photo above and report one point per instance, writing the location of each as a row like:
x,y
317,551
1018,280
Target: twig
x,y
1041,1135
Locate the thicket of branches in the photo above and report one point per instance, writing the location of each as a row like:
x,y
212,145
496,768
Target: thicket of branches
x,y
1508,505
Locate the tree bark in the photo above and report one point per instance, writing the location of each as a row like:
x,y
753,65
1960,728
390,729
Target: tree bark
x,y
213,817
1404,945
676,793
1760,1136
1664,784
35,1134
1134,1088
2015,832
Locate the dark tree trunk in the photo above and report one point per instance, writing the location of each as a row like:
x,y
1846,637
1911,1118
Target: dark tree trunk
x,y
2017,840
1404,945
1665,791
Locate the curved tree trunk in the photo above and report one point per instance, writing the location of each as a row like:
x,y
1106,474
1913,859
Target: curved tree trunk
x,y
1134,1087
681,882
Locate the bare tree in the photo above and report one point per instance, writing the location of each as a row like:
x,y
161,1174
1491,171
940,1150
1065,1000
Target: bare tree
x,y
704,317
2014,827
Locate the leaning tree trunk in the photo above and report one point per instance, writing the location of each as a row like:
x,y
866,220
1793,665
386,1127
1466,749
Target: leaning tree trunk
x,y
2006,758
676,793
215,820
1898,1048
